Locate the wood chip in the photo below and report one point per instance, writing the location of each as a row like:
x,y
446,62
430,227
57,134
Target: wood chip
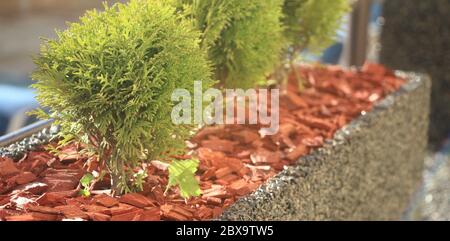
x,y
313,142
210,173
151,214
223,172
128,216
69,156
121,209
96,209
172,212
298,151
315,122
106,201
54,198
240,187
247,136
217,211
137,200
219,145
42,209
33,217
230,178
263,156
35,188
299,102
99,217
25,177
7,167
72,212
218,191
213,201
205,213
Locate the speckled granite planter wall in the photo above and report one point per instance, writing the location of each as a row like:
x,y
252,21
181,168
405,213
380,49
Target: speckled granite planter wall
x,y
416,37
368,172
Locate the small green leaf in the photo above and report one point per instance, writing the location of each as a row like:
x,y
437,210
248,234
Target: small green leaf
x,y
86,180
182,173
85,193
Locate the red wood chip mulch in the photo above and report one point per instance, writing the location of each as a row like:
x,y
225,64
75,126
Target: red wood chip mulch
x,y
235,160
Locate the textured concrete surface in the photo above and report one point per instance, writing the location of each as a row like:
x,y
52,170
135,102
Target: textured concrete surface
x,y
416,37
369,171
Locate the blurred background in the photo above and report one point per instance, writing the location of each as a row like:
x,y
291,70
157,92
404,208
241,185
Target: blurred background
x,y
22,24
412,35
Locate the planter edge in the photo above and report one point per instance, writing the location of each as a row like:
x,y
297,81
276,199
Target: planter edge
x,y
347,179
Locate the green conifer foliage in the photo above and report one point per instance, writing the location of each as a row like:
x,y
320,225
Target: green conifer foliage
x,y
308,24
313,24
244,37
108,81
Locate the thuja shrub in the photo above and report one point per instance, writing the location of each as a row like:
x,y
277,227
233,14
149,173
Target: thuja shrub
x,y
108,82
244,38
312,24
308,24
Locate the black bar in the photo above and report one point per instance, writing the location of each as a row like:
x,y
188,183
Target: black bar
x,y
307,231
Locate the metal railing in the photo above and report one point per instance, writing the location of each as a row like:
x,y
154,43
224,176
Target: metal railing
x,y
27,131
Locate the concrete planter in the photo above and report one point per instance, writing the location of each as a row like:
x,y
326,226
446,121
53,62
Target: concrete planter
x,y
370,170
